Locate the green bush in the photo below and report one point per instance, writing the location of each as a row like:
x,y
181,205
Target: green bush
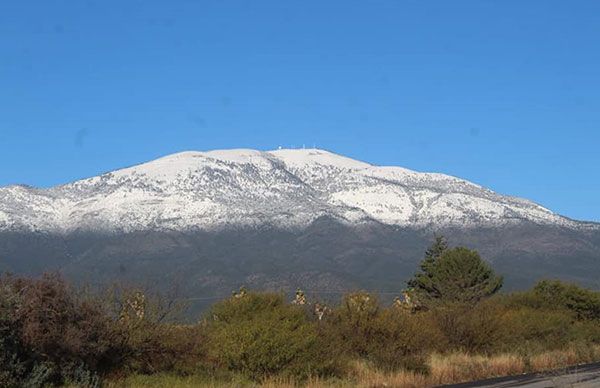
x,y
586,331
585,304
352,324
391,338
260,335
495,326
403,340
522,322
555,295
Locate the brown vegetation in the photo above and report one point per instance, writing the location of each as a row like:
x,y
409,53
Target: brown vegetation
x,y
52,334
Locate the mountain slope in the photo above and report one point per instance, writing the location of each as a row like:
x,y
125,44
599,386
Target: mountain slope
x,y
284,188
212,221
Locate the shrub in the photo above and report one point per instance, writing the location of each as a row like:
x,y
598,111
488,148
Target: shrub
x,y
403,340
352,324
531,330
151,341
63,329
470,328
260,335
50,336
391,338
585,304
586,332
12,358
165,348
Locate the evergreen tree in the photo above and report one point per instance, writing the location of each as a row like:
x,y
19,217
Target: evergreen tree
x,y
423,280
456,275
439,246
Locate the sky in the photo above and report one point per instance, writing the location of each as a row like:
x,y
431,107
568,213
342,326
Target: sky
x,y
503,93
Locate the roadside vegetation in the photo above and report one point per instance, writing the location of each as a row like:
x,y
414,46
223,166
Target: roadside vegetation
x,y
449,325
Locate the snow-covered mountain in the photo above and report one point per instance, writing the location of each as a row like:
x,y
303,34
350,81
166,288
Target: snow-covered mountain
x,y
287,188
212,221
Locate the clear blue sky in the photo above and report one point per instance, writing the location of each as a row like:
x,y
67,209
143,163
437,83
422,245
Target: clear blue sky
x,y
503,93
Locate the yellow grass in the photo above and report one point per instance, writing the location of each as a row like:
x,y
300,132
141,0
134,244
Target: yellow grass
x,y
460,367
365,376
444,369
311,383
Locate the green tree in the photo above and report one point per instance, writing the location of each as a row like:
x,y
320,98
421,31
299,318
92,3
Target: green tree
x,y
423,280
439,246
457,275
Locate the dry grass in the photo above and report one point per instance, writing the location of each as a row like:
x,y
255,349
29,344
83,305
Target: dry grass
x,y
444,369
311,383
554,360
460,367
366,376
563,358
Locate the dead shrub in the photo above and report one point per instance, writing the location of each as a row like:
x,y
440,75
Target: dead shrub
x,y
59,337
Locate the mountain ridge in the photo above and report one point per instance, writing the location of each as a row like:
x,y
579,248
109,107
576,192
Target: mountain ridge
x,y
287,188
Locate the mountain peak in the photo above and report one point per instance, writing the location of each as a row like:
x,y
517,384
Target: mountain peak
x,y
315,156
186,161
295,156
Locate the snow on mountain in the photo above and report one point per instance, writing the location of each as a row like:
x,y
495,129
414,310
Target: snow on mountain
x,y
241,187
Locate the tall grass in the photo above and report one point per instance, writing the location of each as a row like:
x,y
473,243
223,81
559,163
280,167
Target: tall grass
x,y
462,367
444,369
